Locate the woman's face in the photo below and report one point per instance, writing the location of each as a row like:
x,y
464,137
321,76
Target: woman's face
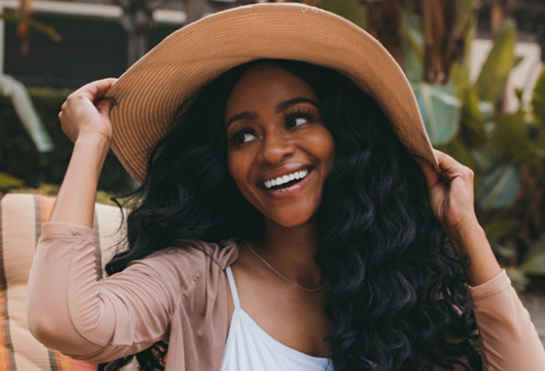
x,y
279,150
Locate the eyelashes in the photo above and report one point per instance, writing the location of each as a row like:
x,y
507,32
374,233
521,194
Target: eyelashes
x,y
240,136
306,111
293,117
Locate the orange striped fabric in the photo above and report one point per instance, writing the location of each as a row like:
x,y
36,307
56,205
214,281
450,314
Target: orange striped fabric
x,y
21,218
57,360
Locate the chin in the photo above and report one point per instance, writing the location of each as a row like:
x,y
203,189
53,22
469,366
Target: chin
x,y
292,219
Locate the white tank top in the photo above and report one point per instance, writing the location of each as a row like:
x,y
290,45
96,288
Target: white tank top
x,y
250,348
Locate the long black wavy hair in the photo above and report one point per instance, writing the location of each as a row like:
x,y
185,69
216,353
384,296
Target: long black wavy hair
x,y
396,293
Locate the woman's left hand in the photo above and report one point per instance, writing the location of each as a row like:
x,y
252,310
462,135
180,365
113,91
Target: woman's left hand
x,y
450,192
451,200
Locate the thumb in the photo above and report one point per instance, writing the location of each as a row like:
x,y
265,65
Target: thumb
x,y
431,176
104,106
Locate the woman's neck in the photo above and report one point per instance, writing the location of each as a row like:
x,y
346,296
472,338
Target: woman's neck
x,y
291,251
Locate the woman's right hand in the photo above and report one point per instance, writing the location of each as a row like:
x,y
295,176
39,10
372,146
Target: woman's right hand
x,y
85,111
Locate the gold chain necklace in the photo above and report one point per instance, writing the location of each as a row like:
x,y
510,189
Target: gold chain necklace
x,y
280,274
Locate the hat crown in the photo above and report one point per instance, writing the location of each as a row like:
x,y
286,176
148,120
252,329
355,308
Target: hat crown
x,y
150,92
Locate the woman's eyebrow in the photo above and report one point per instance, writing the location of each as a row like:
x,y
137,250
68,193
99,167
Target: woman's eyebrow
x,y
251,115
290,102
246,115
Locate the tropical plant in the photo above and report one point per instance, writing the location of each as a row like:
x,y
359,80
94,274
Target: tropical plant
x,y
467,119
16,91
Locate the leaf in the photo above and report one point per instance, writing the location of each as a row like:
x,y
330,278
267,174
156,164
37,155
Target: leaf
x,y
413,49
9,181
505,251
13,17
16,91
466,8
518,278
487,108
518,59
511,137
455,149
459,77
349,9
519,93
534,261
499,187
499,63
473,119
495,231
538,99
483,160
440,110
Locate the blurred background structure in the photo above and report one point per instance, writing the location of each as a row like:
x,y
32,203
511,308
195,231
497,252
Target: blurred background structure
x,y
476,67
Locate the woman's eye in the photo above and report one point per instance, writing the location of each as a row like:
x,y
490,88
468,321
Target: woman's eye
x,y
297,121
244,137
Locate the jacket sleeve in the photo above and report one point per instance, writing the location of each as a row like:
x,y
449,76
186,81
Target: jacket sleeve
x,y
70,310
508,338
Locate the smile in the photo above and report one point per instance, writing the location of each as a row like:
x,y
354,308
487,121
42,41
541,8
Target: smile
x,y
286,180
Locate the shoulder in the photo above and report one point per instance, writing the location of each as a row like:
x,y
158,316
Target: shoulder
x,y
186,260
221,255
194,252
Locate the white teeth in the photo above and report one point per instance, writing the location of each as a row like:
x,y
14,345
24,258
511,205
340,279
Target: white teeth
x,y
285,178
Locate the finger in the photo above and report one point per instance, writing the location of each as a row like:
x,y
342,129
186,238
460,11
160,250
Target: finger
x,y
450,167
104,106
96,89
430,174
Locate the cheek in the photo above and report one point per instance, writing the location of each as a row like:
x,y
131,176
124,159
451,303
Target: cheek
x,y
323,147
329,153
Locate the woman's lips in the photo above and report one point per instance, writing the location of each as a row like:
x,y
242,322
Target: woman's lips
x,y
295,176
279,193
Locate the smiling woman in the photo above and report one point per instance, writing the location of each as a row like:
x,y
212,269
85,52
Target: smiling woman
x,y
276,133
291,216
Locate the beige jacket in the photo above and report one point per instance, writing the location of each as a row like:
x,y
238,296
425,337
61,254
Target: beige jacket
x,y
180,296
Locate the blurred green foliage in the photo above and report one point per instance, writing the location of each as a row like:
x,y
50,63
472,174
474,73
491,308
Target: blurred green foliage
x,y
23,166
467,120
15,17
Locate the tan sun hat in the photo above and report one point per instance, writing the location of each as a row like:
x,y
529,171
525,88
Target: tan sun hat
x,y
150,92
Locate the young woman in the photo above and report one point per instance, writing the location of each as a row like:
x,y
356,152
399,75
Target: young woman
x,y
283,222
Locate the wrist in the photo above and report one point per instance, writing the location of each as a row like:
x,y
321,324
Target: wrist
x,y
96,141
474,253
465,231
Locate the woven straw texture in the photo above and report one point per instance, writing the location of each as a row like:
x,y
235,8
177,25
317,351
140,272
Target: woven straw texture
x,y
149,94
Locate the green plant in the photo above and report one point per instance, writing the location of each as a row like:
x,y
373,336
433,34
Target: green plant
x,y
21,159
14,17
467,119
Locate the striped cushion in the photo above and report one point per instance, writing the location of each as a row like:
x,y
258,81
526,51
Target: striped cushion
x,y
21,219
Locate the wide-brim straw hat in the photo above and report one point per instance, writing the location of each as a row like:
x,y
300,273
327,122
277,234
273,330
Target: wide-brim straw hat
x,y
150,92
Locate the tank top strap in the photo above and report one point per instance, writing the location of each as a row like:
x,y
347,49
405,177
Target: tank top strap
x,y
233,287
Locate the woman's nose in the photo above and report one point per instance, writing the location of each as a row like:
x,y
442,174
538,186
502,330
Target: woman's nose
x,y
275,147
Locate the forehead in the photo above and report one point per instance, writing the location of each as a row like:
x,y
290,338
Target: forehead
x,y
266,84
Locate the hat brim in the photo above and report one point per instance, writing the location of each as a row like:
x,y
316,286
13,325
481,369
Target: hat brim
x,y
149,93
